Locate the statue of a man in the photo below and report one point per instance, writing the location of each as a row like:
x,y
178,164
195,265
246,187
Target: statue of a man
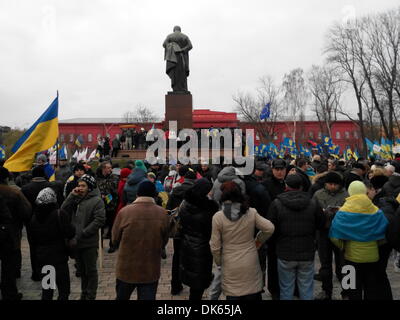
x,y
177,46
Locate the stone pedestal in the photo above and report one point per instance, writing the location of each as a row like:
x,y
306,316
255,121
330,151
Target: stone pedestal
x,y
179,107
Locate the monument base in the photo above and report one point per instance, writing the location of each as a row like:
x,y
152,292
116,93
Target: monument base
x,y
179,107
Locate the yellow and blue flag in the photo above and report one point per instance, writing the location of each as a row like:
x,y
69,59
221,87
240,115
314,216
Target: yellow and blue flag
x,y
79,141
50,172
40,137
2,152
265,112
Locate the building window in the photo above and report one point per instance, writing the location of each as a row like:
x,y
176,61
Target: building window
x,y
117,136
337,135
284,135
275,137
311,134
62,137
355,134
90,137
319,135
71,138
347,135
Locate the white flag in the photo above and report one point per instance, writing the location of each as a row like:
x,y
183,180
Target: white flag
x,y
53,158
76,155
92,155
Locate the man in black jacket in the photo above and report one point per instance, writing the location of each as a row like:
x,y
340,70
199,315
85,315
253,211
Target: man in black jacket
x,y
275,185
15,211
174,201
296,218
31,191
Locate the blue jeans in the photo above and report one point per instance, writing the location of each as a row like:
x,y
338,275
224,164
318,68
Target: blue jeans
x,y
300,271
145,291
215,287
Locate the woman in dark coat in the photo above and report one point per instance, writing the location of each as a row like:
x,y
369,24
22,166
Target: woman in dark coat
x,y
196,221
49,228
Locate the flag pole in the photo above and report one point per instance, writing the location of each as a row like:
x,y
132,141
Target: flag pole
x,y
57,158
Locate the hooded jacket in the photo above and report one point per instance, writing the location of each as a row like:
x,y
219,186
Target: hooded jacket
x,y
132,185
357,227
233,248
226,174
296,217
87,216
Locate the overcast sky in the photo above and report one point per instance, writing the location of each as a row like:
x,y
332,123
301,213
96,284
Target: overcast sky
x,y
106,56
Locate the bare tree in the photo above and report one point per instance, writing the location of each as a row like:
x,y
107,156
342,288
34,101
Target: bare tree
x,y
326,88
341,51
249,107
295,95
141,114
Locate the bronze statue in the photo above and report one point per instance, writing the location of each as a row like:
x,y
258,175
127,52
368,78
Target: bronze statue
x,y
177,46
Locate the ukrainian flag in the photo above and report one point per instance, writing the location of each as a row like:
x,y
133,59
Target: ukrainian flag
x,y
41,136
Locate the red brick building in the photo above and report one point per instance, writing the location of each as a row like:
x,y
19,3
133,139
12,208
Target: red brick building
x,y
344,132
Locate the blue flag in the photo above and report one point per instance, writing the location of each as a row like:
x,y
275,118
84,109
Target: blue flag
x,y
265,112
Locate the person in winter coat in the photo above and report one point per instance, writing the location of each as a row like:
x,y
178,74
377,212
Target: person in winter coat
x,y
15,211
330,198
389,207
63,172
87,211
319,179
296,218
233,245
225,175
137,176
357,229
275,186
196,222
141,232
72,182
170,179
392,187
107,183
123,177
356,174
260,200
50,227
30,191
175,201
116,146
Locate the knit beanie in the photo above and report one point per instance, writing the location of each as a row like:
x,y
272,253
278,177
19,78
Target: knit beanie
x,y
46,196
333,177
90,181
357,187
146,189
294,181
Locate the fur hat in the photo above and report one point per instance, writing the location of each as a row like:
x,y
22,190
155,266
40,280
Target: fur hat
x,y
333,177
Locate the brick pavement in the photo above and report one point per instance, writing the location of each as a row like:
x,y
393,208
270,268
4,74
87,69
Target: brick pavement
x,y
106,289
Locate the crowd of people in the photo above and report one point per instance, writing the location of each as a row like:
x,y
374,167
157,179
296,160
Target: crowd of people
x,y
237,235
